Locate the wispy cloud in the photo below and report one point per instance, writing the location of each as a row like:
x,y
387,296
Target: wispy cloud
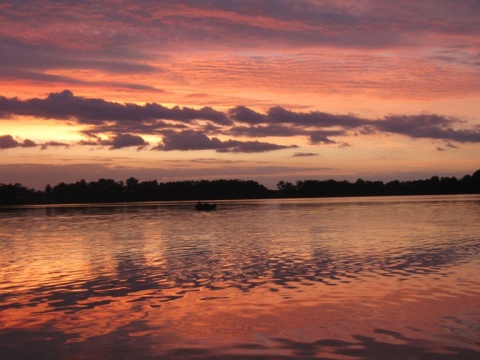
x,y
299,154
336,46
372,24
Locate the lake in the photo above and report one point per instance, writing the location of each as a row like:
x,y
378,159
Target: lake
x,y
338,278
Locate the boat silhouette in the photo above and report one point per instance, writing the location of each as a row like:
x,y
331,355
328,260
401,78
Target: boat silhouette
x,y
205,206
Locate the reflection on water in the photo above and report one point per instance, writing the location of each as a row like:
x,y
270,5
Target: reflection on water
x,y
326,278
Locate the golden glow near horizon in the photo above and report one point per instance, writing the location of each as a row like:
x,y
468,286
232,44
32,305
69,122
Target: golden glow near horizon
x,y
326,99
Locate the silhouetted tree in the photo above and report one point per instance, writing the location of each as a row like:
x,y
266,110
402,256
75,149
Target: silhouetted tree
x,y
17,195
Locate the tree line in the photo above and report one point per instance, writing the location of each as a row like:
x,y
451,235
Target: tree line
x,y
468,184
108,190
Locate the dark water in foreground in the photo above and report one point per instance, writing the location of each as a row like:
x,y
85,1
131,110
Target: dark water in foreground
x,y
351,278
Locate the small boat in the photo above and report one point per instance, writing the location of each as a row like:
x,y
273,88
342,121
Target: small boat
x,y
205,206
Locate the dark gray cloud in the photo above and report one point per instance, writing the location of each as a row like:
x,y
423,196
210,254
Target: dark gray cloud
x,y
125,140
446,146
187,140
316,125
194,140
28,143
319,138
184,128
65,105
117,141
322,136
451,146
7,142
399,123
205,113
48,144
279,114
428,126
215,161
246,115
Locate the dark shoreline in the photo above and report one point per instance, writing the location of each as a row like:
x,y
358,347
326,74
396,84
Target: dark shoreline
x,y
111,191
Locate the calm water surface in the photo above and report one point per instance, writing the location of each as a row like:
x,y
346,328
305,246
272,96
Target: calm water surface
x,y
350,278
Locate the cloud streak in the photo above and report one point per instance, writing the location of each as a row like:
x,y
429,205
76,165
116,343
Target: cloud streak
x,y
373,23
80,44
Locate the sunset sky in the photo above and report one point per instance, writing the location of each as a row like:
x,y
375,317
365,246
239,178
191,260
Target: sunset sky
x,y
265,90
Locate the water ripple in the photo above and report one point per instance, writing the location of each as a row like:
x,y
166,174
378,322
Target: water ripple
x,y
111,269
